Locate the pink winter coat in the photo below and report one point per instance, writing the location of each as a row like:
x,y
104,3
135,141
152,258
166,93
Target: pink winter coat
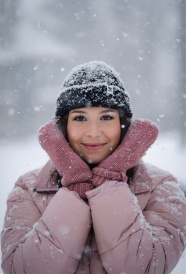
x,y
135,229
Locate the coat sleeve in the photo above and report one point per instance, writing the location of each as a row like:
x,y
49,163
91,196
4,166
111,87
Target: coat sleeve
x,y
132,241
48,243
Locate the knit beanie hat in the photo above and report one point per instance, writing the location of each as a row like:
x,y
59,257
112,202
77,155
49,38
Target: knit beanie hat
x,y
93,84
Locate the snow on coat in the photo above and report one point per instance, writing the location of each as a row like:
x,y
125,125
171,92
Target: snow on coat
x,y
140,228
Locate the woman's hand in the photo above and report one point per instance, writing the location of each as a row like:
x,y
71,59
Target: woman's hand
x,y
140,136
75,173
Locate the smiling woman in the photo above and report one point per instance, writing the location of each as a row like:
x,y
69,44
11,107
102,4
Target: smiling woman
x,y
93,132
95,207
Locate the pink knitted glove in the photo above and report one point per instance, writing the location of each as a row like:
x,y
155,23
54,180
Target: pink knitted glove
x,y
75,173
140,135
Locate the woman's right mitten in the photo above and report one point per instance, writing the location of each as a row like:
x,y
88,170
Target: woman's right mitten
x,y
76,175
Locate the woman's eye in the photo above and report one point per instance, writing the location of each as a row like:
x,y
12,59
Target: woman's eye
x,y
79,118
107,117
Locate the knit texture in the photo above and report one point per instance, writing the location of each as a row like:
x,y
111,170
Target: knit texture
x,y
93,84
140,136
71,167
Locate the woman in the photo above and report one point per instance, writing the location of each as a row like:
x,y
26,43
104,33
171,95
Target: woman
x,y
95,207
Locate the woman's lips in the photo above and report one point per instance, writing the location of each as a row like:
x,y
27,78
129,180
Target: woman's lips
x,y
93,147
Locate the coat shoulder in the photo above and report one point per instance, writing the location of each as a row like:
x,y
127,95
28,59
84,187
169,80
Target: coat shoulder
x,y
147,177
37,178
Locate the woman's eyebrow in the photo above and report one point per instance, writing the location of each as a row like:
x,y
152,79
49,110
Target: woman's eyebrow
x,y
108,110
78,111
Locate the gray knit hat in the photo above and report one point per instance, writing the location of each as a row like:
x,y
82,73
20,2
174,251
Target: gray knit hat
x,y
93,84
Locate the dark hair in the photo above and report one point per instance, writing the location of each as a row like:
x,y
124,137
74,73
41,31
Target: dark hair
x,y
124,123
62,125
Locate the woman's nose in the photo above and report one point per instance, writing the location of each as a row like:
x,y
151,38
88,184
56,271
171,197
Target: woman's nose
x,y
93,130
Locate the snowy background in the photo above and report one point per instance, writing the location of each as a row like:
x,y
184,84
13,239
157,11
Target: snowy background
x,y
40,42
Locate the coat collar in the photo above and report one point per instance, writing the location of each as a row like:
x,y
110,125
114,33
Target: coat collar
x,y
142,181
47,179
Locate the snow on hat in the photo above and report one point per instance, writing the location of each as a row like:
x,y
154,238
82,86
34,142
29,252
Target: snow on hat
x,y
93,84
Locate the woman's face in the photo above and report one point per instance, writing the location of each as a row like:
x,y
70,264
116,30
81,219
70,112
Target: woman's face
x,y
93,132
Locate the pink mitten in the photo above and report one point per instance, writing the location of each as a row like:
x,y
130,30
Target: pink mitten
x,y
140,135
75,173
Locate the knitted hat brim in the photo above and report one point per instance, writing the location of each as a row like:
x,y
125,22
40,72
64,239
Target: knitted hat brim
x,y
93,96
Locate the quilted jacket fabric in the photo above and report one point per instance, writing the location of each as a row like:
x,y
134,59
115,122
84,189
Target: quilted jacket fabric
x,y
137,228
